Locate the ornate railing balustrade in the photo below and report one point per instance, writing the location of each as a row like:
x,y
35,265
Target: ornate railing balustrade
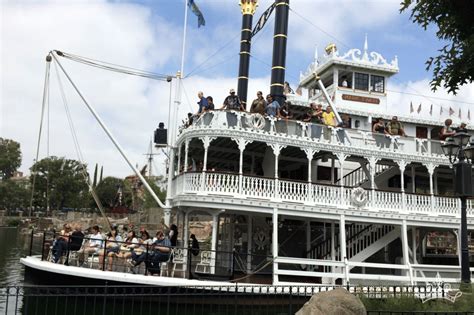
x,y
294,128
243,186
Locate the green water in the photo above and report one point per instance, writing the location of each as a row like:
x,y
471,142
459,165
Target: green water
x,y
12,247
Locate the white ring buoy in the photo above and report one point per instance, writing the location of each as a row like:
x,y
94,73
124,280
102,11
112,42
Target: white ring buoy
x,y
359,197
256,121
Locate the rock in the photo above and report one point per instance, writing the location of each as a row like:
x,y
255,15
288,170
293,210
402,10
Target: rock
x,y
336,302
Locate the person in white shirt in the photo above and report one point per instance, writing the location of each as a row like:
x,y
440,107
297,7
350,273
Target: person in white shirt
x,y
93,245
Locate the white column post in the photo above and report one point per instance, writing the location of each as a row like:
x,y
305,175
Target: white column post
x,y
413,178
275,245
413,244
341,157
308,236
186,151
167,216
309,155
402,164
179,158
372,167
215,222
206,141
342,236
404,239
241,143
276,151
333,162
431,168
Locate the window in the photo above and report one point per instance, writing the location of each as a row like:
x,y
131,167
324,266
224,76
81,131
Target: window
x,y
361,81
377,84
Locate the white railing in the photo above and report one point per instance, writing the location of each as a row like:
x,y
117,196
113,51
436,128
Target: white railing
x,y
241,186
292,128
359,176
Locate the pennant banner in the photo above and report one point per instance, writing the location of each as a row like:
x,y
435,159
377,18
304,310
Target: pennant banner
x,y
197,12
419,109
262,20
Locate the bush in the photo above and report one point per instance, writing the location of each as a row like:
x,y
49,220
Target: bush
x,y
465,303
13,222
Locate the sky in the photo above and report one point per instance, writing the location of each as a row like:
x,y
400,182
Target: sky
x,y
148,35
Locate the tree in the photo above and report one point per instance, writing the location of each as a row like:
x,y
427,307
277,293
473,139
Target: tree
x,y
108,192
10,157
60,183
13,196
148,200
455,64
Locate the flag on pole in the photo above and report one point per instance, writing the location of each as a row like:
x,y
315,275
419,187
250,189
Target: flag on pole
x,y
431,110
469,114
441,110
451,111
411,108
263,19
197,12
460,114
419,109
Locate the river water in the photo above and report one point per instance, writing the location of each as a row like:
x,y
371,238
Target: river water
x,y
13,246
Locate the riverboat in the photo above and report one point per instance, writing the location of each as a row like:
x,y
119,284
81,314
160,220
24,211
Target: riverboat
x,y
293,202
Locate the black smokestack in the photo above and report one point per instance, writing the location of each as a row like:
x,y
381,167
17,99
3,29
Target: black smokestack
x,y
248,9
282,8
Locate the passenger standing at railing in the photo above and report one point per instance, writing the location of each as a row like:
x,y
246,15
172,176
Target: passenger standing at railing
x,y
232,102
329,119
273,107
447,131
210,103
210,107
462,127
379,129
202,103
395,128
314,116
258,104
92,247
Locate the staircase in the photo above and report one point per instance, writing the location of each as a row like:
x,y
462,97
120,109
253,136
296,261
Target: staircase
x,y
362,241
360,176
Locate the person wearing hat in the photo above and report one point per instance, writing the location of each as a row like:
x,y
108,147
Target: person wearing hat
x,y
232,102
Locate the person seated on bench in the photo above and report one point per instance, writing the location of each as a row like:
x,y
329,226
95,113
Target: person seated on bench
x,y
61,243
130,243
92,247
111,248
76,239
139,254
161,250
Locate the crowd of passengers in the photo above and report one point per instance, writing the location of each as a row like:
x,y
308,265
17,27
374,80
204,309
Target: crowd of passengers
x,y
119,243
316,114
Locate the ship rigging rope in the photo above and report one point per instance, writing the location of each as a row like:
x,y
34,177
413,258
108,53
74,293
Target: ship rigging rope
x,y
114,67
258,269
43,106
77,147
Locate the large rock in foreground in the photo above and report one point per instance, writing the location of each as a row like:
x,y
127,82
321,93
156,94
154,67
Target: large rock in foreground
x,y
335,302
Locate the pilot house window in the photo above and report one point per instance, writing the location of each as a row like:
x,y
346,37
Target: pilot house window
x,y
361,81
377,84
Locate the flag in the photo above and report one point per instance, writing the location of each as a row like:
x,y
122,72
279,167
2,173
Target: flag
x,y
197,12
419,109
451,111
263,19
460,114
411,108
469,114
441,110
431,110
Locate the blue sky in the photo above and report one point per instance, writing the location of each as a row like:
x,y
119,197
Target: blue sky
x,y
148,35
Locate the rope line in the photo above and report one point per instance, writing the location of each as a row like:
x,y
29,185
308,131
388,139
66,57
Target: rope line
x,y
78,150
114,67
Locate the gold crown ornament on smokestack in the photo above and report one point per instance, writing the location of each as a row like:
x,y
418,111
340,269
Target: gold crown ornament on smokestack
x,y
248,6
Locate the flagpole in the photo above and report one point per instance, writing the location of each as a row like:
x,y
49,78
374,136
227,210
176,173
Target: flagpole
x,y
173,127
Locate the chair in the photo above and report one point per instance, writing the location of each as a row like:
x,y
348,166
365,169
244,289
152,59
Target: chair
x,y
179,261
204,266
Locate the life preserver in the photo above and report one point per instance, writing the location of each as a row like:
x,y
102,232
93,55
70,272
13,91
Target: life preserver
x,y
256,121
359,197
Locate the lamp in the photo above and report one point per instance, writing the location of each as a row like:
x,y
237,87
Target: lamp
x,y
469,150
461,155
461,138
450,148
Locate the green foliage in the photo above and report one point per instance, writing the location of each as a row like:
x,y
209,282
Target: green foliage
x,y
13,196
107,191
148,200
10,157
94,183
409,304
455,64
13,222
61,181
